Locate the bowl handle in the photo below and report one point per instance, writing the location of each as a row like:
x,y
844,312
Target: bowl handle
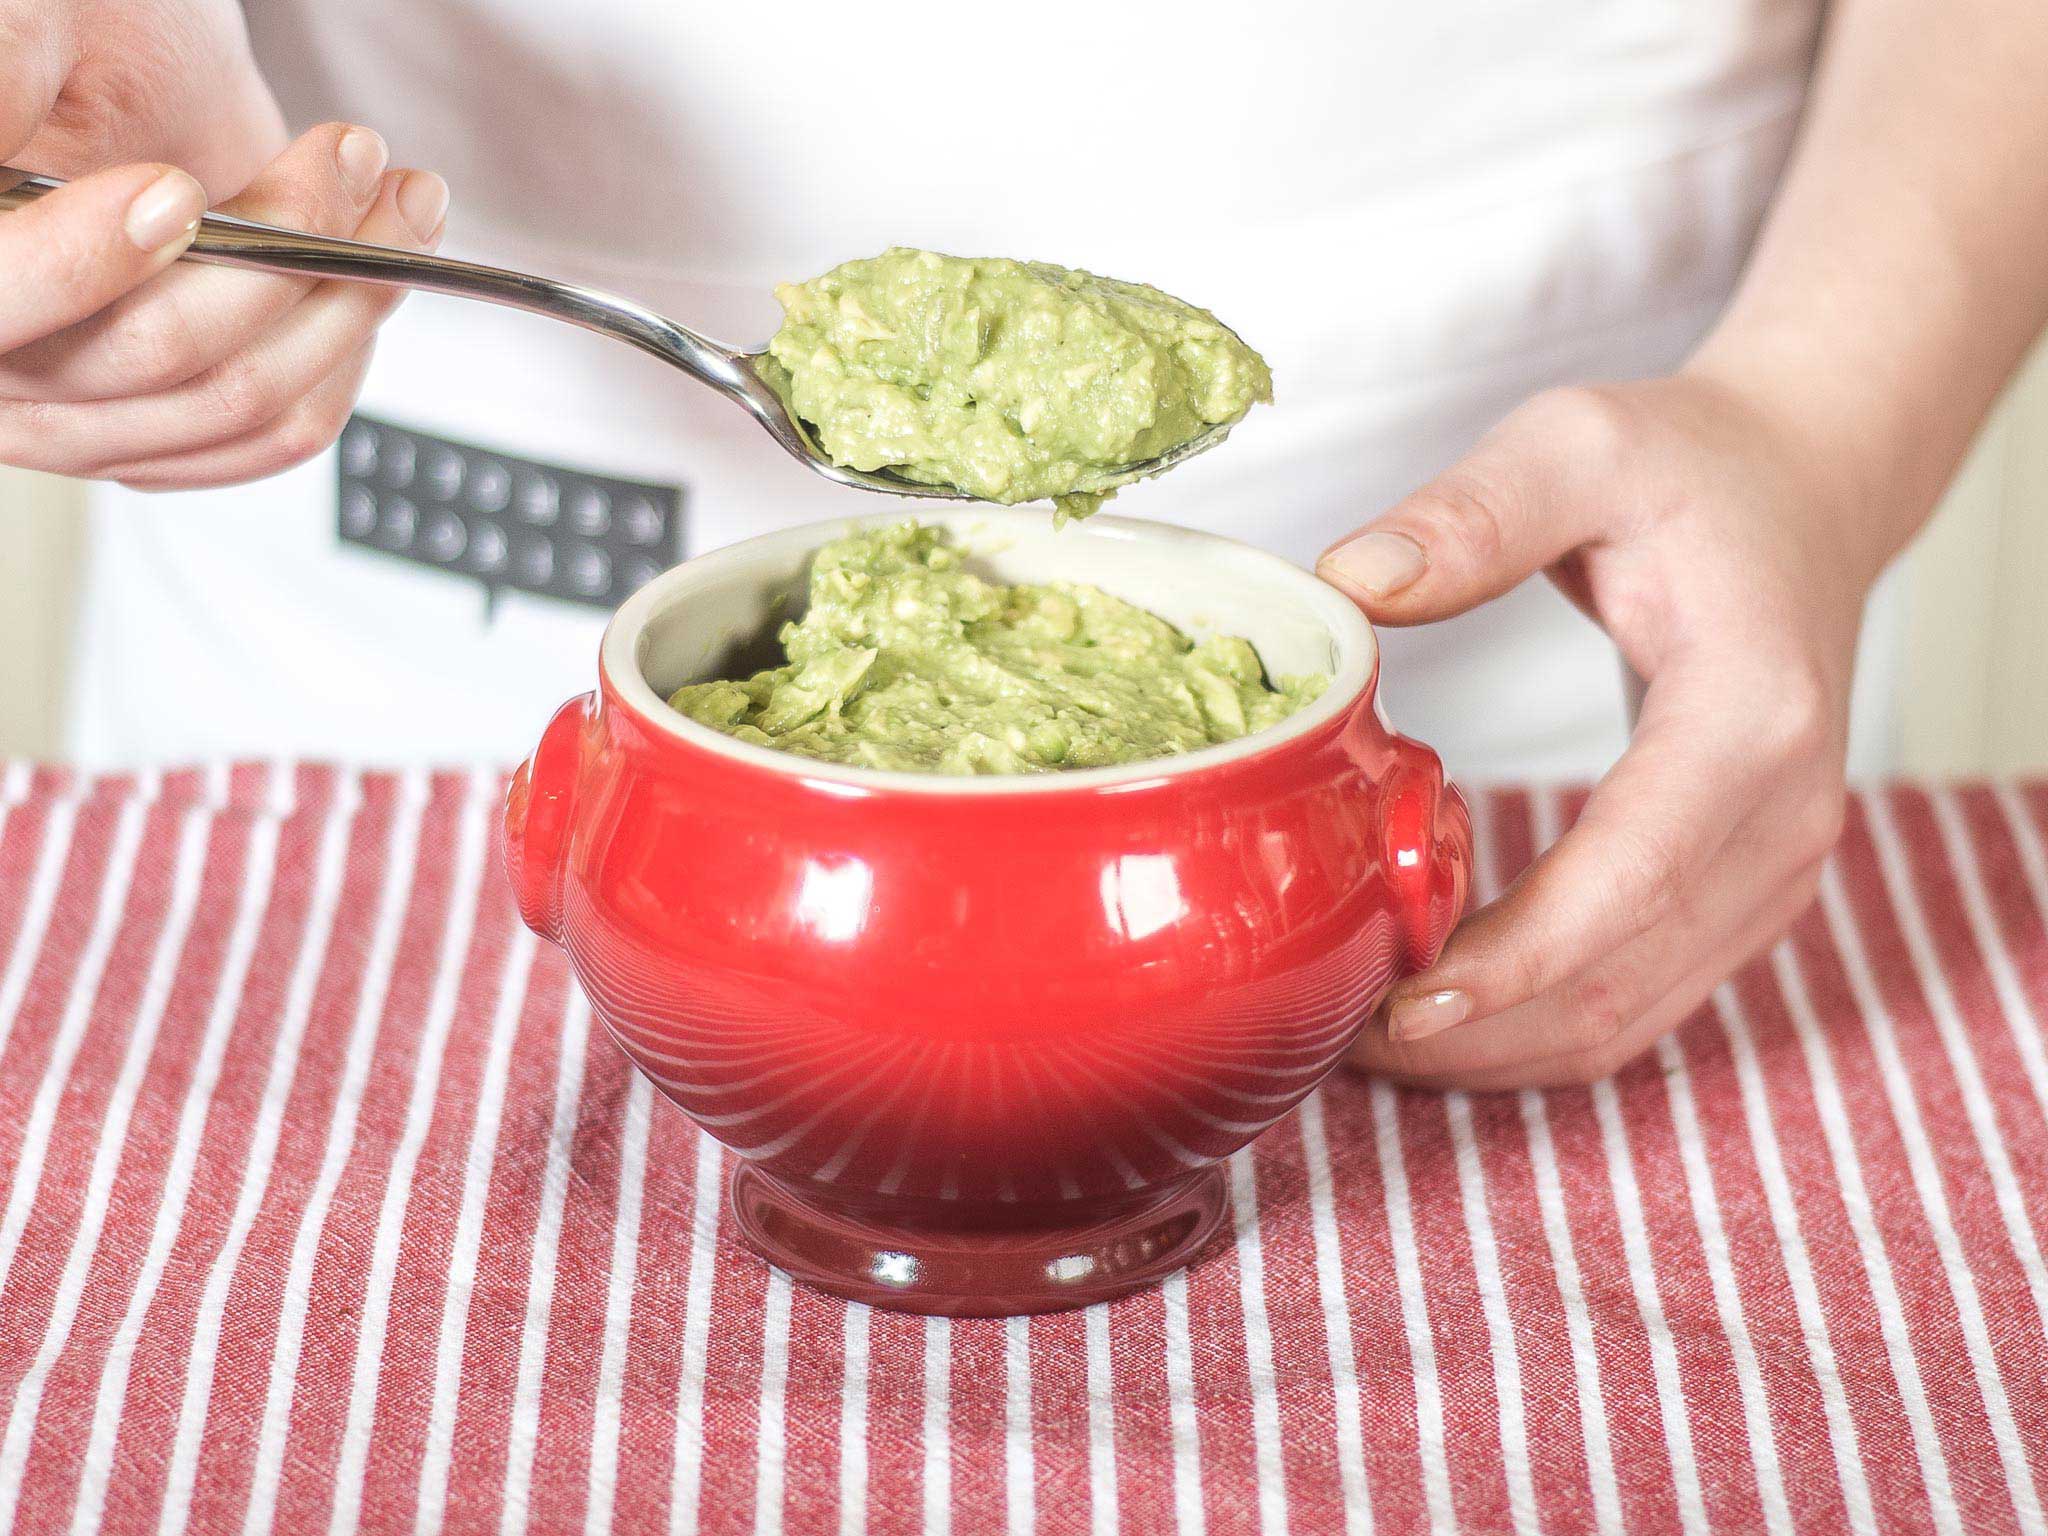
x,y
538,810
1428,851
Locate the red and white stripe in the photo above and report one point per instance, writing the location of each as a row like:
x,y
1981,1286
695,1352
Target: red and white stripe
x,y
214,1257
109,1392
324,1207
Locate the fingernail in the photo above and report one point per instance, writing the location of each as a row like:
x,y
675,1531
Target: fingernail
x,y
362,154
1417,1018
165,212
423,200
1377,564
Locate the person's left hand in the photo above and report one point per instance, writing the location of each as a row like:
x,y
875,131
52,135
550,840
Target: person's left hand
x,y
1729,568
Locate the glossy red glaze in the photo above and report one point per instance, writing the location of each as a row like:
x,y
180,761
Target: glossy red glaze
x,y
993,1046
537,809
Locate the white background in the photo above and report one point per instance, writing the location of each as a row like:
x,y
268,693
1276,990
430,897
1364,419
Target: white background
x,y
1975,682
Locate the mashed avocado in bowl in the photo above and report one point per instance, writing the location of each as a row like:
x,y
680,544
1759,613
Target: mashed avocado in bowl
x,y
907,660
1009,380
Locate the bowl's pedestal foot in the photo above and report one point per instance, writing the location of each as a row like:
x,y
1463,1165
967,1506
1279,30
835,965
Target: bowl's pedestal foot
x,y
986,1273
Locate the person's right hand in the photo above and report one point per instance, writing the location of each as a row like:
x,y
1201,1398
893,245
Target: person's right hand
x,y
115,364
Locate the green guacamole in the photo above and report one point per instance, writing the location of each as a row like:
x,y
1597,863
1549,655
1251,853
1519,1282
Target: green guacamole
x,y
1009,380
907,660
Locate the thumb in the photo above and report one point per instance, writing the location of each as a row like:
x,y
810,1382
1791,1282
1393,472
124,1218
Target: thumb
x,y
1499,515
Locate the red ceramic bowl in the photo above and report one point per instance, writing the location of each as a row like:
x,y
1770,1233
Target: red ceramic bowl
x,y
981,1044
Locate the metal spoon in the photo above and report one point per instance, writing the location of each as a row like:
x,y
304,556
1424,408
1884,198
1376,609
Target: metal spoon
x,y
229,241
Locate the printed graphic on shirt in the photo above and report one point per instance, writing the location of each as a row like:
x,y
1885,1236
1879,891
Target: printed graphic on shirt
x,y
501,520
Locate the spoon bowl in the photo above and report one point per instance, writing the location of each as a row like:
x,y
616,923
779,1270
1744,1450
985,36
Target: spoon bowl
x,y
225,240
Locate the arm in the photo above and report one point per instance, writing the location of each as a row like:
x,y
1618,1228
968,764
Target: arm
x,y
1903,271
1724,525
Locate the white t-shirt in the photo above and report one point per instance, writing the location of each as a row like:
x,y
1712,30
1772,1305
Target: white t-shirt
x,y
1418,213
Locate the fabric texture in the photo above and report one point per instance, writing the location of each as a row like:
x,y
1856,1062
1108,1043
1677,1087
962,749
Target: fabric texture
x,y
323,1207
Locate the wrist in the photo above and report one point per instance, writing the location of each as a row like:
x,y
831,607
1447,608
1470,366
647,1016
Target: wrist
x,y
1867,462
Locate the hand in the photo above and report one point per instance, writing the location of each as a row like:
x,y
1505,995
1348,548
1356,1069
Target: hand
x,y
116,364
1724,564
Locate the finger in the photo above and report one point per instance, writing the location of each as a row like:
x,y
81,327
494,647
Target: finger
x,y
73,252
194,316
1689,778
40,46
1591,1023
246,392
1507,509
300,433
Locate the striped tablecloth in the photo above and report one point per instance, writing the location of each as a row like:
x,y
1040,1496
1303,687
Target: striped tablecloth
x,y
326,1210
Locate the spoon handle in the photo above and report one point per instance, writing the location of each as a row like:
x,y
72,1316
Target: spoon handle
x,y
225,240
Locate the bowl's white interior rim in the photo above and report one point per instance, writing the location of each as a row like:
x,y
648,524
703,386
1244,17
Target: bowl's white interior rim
x,y
621,653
